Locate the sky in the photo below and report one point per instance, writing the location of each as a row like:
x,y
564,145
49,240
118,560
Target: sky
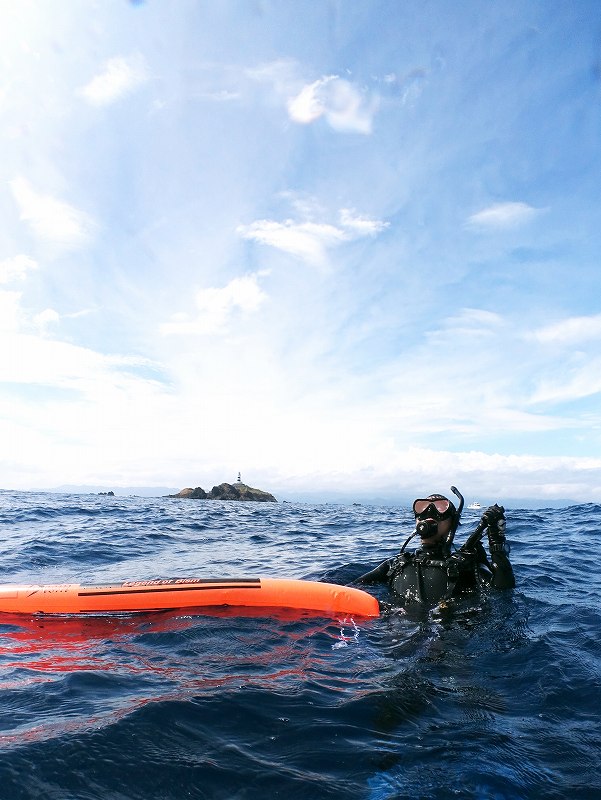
x,y
347,247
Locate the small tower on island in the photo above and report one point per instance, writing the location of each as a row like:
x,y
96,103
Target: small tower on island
x,y
239,478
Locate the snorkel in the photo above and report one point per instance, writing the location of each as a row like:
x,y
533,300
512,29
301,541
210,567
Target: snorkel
x,y
457,519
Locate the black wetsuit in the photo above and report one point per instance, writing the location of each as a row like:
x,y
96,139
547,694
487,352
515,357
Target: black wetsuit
x,y
431,575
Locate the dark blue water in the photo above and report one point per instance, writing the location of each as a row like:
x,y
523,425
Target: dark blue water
x,y
499,699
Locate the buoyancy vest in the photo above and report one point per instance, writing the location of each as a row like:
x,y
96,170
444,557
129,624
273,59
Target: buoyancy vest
x,y
421,578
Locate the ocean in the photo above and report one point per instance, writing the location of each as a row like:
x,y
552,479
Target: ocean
x,y
498,698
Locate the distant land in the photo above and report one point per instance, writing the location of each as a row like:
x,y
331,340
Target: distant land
x,y
317,497
227,491
120,491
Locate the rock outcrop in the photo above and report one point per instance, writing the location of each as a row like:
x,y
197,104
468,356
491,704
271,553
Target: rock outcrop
x,y
228,491
240,491
191,494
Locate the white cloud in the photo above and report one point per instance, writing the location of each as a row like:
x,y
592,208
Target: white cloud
x,y
361,226
29,359
310,240
79,413
119,77
584,381
52,220
16,268
10,311
504,215
570,331
495,476
344,107
308,105
215,307
46,319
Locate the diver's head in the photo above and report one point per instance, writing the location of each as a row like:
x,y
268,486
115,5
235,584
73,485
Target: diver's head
x,y
435,518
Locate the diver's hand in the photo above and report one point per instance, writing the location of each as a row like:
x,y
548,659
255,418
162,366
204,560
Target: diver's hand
x,y
493,516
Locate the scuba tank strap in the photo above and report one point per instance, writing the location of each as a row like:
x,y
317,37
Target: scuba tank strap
x,y
461,563
453,572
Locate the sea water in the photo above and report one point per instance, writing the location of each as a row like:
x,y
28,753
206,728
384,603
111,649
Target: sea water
x,y
498,698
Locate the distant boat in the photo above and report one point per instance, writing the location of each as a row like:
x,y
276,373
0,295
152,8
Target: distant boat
x,y
474,505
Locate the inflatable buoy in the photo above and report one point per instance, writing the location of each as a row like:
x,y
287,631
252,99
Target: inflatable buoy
x,y
167,594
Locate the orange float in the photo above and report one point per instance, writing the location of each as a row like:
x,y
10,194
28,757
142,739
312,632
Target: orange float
x,y
173,593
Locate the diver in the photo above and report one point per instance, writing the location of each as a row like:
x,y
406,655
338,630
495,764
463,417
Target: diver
x,y
437,571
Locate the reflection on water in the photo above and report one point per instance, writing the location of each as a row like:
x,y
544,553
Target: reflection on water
x,y
137,659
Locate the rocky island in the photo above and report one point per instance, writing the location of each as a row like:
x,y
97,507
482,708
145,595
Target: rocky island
x,y
227,491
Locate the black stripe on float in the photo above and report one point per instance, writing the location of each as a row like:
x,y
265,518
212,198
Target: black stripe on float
x,y
246,583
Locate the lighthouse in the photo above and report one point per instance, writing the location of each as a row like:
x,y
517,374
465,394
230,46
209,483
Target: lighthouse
x,y
239,479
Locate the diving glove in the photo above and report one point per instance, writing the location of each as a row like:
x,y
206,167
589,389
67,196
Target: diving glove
x,y
493,514
494,517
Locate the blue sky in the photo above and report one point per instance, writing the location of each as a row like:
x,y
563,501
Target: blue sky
x,y
346,245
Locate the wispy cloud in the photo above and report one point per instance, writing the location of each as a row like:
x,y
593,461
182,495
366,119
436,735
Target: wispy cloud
x,y
342,104
220,96
408,88
470,322
345,106
583,381
571,331
119,77
50,362
215,307
359,226
282,74
503,215
16,268
309,240
52,220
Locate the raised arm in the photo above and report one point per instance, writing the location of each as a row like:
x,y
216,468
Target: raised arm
x,y
493,520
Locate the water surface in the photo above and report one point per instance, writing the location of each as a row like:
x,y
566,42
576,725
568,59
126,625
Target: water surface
x,y
498,699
